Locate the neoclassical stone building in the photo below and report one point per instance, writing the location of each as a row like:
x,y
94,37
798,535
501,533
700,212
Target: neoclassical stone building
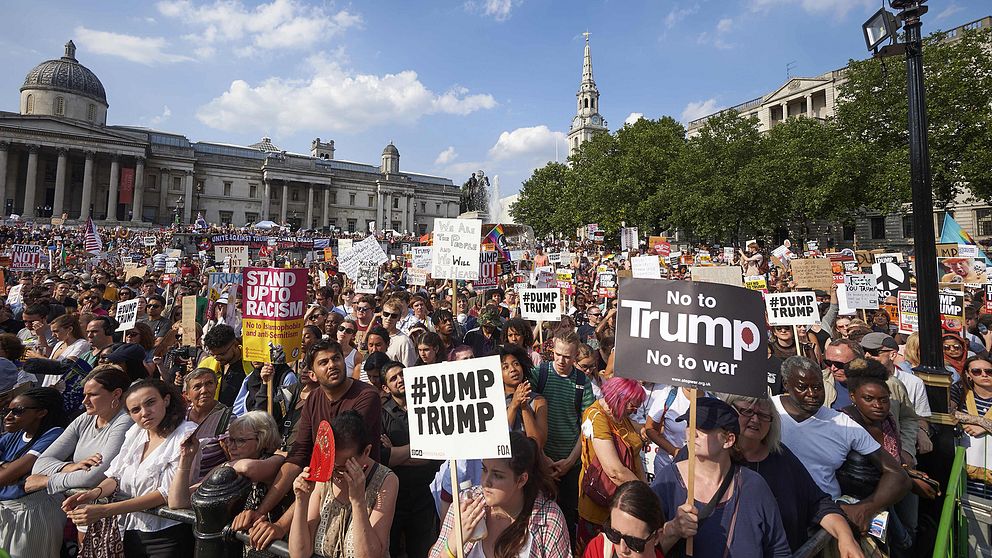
x,y
58,156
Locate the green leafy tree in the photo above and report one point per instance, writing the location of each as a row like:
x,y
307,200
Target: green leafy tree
x,y
541,197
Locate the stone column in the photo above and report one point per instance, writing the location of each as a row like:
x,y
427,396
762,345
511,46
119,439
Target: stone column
x,y
138,202
31,185
410,207
325,216
60,171
84,208
785,111
266,194
4,146
285,202
378,209
115,182
309,211
809,105
188,198
165,211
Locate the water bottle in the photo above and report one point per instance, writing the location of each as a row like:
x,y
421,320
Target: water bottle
x,y
466,495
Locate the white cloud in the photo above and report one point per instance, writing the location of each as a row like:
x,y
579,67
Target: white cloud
x,y
279,24
160,118
717,37
334,99
950,10
724,25
446,156
633,117
143,50
536,141
837,8
497,9
678,14
699,109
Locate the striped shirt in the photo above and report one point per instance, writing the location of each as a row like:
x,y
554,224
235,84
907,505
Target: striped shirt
x,y
563,420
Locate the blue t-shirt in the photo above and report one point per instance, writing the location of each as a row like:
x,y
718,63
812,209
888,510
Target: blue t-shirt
x,y
758,530
11,448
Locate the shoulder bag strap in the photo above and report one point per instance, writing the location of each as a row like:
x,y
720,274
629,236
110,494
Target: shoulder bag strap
x,y
715,500
733,518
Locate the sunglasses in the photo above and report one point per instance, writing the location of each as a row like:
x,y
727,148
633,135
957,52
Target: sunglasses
x,y
347,330
391,315
834,363
952,347
362,308
16,411
980,371
748,413
633,543
153,306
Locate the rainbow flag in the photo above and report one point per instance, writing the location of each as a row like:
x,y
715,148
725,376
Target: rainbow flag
x,y
952,232
498,239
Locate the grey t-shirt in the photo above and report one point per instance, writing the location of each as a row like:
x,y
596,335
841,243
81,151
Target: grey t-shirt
x,y
82,439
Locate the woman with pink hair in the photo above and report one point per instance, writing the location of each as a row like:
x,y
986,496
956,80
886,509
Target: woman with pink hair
x,y
611,446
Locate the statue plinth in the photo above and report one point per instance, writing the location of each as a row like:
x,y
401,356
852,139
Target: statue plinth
x,y
475,215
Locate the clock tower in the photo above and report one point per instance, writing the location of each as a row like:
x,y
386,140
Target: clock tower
x,y
587,120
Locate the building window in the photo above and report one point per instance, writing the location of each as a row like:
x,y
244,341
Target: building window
x,y
352,224
333,198
152,181
940,220
273,195
396,203
438,209
351,199
907,226
253,191
423,228
59,106
227,189
371,200
848,232
877,228
91,112
296,194
226,217
29,105
251,217
177,183
983,219
332,223
423,207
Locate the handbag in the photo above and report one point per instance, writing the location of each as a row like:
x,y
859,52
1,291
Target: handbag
x,y
596,484
858,476
103,539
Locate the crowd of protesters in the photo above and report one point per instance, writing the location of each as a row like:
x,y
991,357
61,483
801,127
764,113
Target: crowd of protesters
x,y
103,426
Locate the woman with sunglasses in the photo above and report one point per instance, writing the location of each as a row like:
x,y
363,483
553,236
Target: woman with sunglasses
x,y
316,316
955,354
633,527
971,402
32,422
90,301
346,336
517,507
783,343
800,500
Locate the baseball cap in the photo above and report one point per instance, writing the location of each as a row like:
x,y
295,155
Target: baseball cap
x,y
713,413
876,340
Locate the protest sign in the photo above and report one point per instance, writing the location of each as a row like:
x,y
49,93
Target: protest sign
x,y
695,335
841,263
721,274
189,320
842,308
274,302
909,319
416,277
344,246
947,250
890,278
607,284
421,257
951,304
813,273
565,280
968,251
488,271
628,238
792,309
756,283
237,253
545,279
540,304
860,291
458,410
888,257
988,298
148,241
554,258
456,249
127,314
366,250
328,254
219,284
171,265
962,270
128,266
657,244
646,267
25,257
367,278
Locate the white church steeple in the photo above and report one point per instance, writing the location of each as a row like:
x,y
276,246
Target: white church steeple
x,y
587,120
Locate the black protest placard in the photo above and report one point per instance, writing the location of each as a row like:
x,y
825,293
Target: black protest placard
x,y
696,335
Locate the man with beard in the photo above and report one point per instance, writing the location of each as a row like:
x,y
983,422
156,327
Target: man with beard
x,y
337,392
415,519
822,438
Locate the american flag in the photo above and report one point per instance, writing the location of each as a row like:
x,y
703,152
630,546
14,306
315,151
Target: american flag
x,y
91,239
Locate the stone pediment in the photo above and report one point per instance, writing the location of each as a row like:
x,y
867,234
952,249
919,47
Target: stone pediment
x,y
794,87
65,131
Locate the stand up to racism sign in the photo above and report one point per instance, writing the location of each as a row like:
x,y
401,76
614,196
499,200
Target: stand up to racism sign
x,y
692,334
272,316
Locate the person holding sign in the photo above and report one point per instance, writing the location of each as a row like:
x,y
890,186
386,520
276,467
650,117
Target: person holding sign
x,y
734,512
350,515
520,517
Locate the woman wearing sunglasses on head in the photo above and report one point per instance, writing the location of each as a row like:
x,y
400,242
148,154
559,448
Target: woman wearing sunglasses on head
x,y
347,337
633,527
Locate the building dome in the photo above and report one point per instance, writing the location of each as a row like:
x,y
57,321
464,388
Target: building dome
x,y
391,150
67,75
266,145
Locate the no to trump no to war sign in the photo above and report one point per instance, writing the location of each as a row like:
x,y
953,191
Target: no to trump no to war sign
x,y
274,301
788,309
455,253
458,410
540,304
692,334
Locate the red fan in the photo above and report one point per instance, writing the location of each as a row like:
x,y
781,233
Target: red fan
x,y
322,458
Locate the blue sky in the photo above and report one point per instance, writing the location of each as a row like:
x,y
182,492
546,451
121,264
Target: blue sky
x,y
456,85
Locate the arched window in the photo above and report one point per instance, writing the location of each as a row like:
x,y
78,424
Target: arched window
x,y
29,105
59,106
587,103
91,112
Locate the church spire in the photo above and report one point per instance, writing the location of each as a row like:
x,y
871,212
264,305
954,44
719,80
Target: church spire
x,y
587,120
587,64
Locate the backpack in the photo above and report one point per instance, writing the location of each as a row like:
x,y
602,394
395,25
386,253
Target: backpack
x,y
576,376
764,267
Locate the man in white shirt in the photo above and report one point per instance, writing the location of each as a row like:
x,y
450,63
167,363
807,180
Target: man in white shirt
x,y
401,348
821,438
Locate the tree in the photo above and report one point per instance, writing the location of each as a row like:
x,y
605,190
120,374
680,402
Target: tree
x,y
873,109
538,204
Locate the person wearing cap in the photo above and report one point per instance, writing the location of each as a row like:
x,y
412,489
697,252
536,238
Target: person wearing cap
x,y
822,438
485,338
734,512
